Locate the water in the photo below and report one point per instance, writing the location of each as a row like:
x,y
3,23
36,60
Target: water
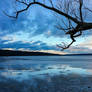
x,y
25,67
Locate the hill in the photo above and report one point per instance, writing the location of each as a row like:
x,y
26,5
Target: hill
x,y
24,53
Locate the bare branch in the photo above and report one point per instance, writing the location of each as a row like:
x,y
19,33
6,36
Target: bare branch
x,y
51,3
61,28
65,46
34,1
78,34
80,8
17,13
22,2
88,9
48,7
9,15
75,19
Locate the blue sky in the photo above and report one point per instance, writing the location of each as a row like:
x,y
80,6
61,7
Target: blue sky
x,y
35,30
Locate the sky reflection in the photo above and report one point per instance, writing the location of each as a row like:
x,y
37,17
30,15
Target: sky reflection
x,y
48,70
22,68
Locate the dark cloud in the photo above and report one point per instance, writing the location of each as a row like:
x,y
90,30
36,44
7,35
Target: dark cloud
x,y
38,45
7,24
35,21
44,20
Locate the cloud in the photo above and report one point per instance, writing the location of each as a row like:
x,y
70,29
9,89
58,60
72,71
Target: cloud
x,y
83,47
9,49
53,51
80,50
36,21
34,30
87,43
31,45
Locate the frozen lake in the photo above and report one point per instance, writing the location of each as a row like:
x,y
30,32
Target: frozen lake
x,y
24,67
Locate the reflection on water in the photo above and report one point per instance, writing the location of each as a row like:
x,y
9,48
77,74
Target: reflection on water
x,y
41,66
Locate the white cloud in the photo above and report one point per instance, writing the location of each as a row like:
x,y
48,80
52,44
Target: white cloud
x,y
23,49
18,36
9,48
53,52
87,43
48,33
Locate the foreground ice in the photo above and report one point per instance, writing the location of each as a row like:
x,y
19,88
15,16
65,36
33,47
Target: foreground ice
x,y
59,83
46,74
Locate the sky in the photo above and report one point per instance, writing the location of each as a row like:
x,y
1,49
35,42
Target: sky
x,y
35,30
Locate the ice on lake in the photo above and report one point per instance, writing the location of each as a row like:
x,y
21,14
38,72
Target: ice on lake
x,y
27,67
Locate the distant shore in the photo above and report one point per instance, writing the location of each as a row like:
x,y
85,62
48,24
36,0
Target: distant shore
x,y
24,53
29,53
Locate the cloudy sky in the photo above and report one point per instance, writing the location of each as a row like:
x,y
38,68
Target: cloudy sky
x,y
35,30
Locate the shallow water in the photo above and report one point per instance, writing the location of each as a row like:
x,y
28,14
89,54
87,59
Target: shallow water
x,y
24,67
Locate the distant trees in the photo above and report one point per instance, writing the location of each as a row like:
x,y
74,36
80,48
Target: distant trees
x,y
74,11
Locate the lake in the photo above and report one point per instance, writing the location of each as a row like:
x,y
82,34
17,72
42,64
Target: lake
x,y
25,67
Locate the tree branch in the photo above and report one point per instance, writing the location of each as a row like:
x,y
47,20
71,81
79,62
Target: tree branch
x,y
51,3
80,9
65,46
22,2
45,6
88,9
72,17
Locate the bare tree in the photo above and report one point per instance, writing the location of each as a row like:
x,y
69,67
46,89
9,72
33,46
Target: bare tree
x,y
72,10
